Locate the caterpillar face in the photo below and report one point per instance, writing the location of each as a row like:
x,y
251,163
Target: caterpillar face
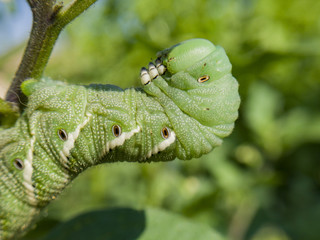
x,y
189,102
198,93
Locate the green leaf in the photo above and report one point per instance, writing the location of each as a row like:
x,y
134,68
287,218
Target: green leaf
x,y
125,223
41,229
8,114
169,226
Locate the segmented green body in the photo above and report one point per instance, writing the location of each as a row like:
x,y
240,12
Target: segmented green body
x,y
65,129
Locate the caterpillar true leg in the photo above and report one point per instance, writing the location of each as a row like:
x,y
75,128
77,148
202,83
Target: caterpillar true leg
x,y
160,67
144,76
154,70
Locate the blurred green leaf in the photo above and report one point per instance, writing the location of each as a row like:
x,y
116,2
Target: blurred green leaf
x,y
8,114
123,223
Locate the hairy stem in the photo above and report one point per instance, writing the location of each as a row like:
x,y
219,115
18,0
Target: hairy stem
x,y
49,18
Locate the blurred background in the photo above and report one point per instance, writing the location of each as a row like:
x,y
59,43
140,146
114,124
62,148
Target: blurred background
x,y
263,183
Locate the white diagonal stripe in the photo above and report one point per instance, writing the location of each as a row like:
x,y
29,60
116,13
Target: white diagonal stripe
x,y
163,145
72,137
120,140
27,173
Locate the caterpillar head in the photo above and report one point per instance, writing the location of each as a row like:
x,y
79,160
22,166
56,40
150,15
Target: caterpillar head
x,y
188,65
197,92
183,55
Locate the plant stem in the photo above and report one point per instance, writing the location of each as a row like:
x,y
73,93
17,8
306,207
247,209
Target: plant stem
x,y
49,18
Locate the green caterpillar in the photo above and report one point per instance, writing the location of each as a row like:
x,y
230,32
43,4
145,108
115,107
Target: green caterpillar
x,y
189,102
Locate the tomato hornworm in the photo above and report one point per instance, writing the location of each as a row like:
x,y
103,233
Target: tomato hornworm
x,y
188,102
